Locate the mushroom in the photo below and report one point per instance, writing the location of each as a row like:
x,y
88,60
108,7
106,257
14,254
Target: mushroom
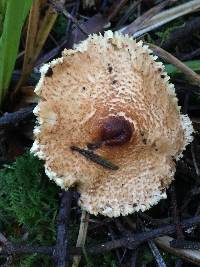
x,y
109,100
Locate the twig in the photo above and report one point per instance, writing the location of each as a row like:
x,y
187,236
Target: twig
x,y
185,254
132,242
61,251
176,217
128,13
51,54
152,221
134,258
194,160
175,213
137,24
156,253
61,44
179,34
115,8
121,228
17,116
185,244
193,54
9,249
95,24
60,8
113,237
193,76
189,196
81,236
162,18
95,158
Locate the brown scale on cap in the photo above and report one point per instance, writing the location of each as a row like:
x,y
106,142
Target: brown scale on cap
x,y
110,91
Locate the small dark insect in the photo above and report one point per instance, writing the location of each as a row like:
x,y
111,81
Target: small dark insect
x,y
95,158
162,76
49,72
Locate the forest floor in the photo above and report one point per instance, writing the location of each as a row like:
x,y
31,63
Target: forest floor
x,y
39,223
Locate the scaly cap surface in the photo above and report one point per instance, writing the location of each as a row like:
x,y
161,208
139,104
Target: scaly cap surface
x,y
110,76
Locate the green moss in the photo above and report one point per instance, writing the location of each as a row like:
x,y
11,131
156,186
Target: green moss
x,y
28,204
60,26
105,260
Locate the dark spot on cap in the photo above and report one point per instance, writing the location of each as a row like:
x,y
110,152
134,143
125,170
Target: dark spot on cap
x,y
49,72
110,68
83,88
114,81
144,140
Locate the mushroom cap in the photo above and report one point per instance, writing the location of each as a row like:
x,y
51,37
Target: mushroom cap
x,y
110,76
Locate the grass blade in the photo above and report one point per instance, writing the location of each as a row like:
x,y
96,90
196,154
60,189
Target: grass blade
x,y
14,17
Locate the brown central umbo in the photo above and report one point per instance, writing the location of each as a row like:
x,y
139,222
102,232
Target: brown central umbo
x,y
114,131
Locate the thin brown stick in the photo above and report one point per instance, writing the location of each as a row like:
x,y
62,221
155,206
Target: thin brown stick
x,y
154,250
191,55
175,213
113,237
9,119
81,236
185,254
115,8
58,6
157,255
61,251
9,249
133,259
144,18
193,76
194,159
132,242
